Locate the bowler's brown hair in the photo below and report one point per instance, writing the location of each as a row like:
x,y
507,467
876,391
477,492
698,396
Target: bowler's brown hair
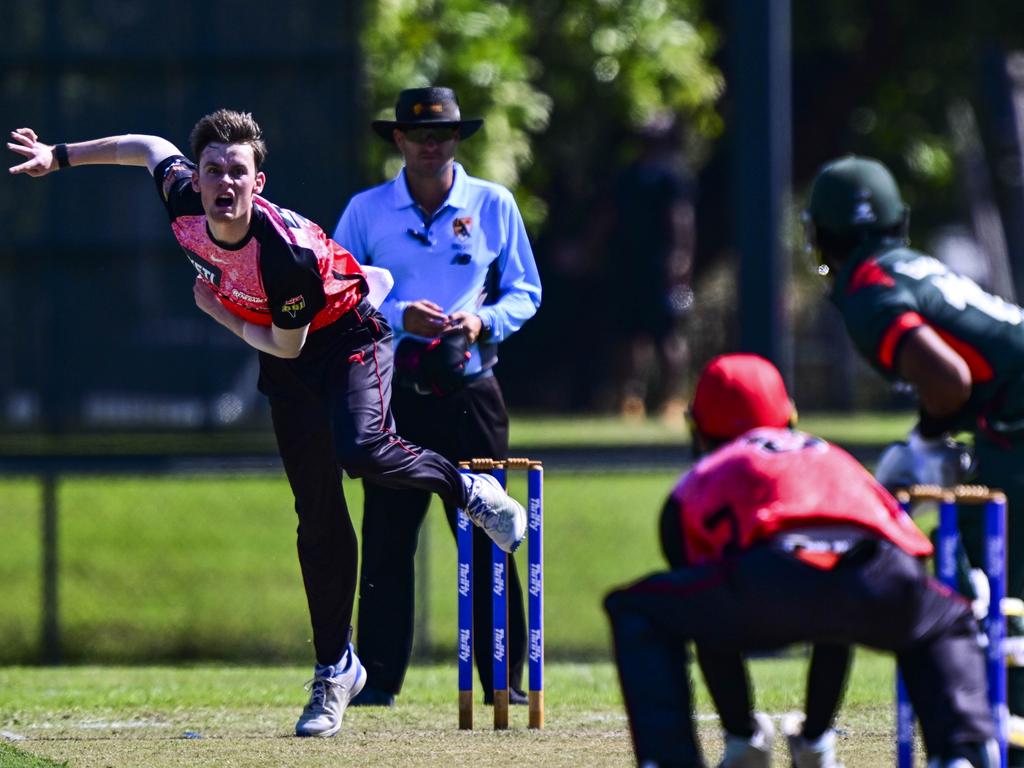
x,y
225,126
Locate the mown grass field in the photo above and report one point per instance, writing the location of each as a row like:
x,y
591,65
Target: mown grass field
x,y
198,574
228,716
179,567
200,567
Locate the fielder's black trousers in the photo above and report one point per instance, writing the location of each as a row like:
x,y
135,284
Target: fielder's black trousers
x,y
469,423
765,598
331,411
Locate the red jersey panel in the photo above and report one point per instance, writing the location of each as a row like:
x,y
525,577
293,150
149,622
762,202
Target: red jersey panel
x,y
773,480
285,272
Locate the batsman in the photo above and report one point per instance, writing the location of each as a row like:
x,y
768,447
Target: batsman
x,y
962,348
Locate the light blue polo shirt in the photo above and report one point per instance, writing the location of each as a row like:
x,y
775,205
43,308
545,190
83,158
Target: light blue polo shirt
x,y
473,255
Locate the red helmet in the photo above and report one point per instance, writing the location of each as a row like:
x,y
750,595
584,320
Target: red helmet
x,y
737,393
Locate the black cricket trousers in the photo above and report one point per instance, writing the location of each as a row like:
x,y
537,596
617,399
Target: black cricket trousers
x,y
331,411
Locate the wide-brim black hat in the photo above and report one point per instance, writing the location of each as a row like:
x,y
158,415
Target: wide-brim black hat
x,y
418,107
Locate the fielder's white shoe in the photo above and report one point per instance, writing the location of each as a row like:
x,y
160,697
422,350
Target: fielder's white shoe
x,y
755,752
502,517
331,689
820,753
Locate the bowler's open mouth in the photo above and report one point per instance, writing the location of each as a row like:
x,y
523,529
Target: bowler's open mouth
x,y
222,201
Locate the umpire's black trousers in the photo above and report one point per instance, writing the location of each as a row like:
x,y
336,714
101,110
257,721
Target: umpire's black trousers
x,y
766,598
331,411
471,422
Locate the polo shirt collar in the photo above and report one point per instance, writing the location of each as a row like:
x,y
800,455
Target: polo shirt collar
x,y
456,195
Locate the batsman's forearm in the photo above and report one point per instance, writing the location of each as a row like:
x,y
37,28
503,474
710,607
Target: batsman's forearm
x,y
128,149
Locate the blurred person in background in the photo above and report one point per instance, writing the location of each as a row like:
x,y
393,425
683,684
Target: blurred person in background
x,y
776,537
913,319
276,281
651,238
465,280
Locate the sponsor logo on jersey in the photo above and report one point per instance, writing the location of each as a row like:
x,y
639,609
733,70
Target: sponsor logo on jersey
x,y
462,258
209,272
174,172
462,226
237,294
294,305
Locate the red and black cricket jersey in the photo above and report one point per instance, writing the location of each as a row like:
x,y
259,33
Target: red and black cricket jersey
x,y
768,481
285,272
886,293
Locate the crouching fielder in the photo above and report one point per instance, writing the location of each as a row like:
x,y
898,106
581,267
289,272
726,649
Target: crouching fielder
x,y
777,537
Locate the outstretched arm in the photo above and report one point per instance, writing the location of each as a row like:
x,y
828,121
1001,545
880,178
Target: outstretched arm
x,y
129,149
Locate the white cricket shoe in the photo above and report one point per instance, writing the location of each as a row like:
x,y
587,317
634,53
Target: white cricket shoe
x,y
820,753
502,517
755,752
331,689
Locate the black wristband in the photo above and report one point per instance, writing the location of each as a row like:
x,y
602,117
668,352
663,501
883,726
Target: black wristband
x,y
61,151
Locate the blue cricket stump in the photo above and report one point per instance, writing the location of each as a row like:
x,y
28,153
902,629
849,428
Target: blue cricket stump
x,y
499,600
994,625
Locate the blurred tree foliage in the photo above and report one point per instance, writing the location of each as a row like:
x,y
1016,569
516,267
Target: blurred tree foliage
x,y
558,82
879,78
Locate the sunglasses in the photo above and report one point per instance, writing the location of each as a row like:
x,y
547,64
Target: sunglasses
x,y
439,134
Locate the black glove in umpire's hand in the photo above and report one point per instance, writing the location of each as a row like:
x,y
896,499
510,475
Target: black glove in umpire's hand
x,y
436,366
924,461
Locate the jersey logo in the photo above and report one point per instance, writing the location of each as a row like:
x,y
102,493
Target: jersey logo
x,y
294,305
206,270
462,258
172,173
462,226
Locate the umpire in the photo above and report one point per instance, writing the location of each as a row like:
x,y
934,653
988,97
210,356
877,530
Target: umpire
x,y
465,280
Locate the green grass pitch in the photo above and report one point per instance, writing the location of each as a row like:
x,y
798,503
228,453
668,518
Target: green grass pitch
x,y
124,717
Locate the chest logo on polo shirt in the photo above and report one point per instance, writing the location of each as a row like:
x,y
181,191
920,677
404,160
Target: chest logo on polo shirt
x,y
462,226
294,305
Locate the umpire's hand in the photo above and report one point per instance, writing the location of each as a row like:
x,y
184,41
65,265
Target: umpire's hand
x,y
425,318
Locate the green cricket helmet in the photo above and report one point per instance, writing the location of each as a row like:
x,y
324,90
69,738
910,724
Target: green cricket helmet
x,y
852,200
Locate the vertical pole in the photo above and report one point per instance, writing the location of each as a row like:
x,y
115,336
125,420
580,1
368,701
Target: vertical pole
x,y
535,547
499,624
761,79
904,725
464,538
51,650
995,568
948,541
904,709
422,641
